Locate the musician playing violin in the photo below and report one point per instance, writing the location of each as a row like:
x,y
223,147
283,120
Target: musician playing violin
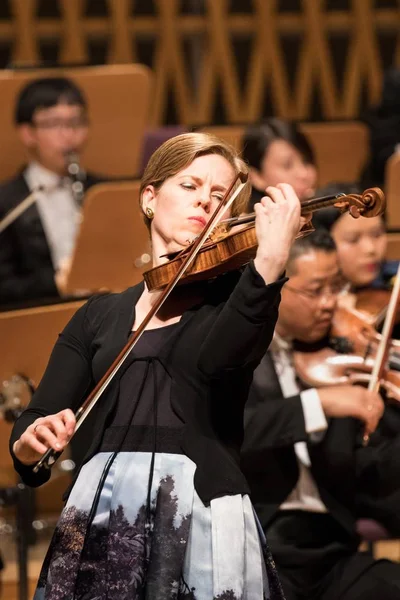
x,y
302,452
160,509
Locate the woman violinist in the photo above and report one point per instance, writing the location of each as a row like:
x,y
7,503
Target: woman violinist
x,y
160,507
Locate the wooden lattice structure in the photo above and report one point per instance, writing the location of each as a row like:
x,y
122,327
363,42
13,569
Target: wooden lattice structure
x,y
221,61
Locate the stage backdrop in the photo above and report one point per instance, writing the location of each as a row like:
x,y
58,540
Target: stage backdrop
x,y
220,61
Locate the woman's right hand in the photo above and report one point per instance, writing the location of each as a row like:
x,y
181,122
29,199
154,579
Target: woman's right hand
x,y
53,431
278,221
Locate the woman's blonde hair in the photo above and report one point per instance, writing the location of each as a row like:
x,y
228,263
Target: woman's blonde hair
x,y
179,152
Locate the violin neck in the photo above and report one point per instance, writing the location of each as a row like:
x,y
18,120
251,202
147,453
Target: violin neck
x,y
239,220
309,206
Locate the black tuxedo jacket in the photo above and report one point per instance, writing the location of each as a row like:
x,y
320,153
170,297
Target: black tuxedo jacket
x,y
378,482
273,424
26,268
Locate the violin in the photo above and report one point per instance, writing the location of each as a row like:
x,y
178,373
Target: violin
x,y
233,243
349,356
354,332
216,250
373,303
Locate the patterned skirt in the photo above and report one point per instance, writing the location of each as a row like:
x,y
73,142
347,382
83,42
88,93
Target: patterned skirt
x,y
109,546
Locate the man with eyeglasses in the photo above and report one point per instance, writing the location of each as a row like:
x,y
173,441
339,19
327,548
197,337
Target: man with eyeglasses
x,y
302,450
51,117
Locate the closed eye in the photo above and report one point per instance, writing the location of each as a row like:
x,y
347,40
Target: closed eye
x,y
188,186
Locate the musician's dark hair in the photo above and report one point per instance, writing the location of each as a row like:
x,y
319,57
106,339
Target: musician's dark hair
x,y
319,240
258,137
45,93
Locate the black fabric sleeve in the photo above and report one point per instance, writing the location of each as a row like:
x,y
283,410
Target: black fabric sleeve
x,y
244,328
65,383
271,421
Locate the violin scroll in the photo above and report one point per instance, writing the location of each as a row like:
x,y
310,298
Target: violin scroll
x,y
371,203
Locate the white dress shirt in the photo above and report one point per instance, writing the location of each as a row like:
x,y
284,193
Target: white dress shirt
x,y
305,495
57,208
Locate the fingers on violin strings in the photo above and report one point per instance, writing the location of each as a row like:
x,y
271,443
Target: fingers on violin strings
x,y
287,191
274,194
267,205
258,208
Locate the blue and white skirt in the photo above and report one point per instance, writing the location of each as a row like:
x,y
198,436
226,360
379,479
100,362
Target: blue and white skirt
x,y
107,546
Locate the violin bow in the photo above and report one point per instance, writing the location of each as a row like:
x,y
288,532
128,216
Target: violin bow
x,y
383,347
50,456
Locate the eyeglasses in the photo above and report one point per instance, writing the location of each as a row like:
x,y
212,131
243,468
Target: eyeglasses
x,y
317,295
56,123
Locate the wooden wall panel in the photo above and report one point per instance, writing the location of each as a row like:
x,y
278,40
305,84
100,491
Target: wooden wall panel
x,y
194,50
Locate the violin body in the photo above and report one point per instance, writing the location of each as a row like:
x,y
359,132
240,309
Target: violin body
x,y
216,256
357,329
373,304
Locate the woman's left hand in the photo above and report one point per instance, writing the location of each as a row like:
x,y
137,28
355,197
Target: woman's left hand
x,y
278,221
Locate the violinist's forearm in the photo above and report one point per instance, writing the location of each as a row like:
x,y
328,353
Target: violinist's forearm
x,y
270,268
244,328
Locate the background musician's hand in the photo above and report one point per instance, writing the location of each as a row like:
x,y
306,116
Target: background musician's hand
x,y
53,431
353,401
277,223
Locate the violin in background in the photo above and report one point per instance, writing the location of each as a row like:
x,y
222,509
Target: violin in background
x,y
349,355
372,304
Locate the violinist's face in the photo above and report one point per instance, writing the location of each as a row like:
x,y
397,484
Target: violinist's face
x,y
361,245
308,301
283,163
185,202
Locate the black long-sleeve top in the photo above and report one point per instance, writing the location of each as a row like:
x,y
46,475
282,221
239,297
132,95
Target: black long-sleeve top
x,y
210,359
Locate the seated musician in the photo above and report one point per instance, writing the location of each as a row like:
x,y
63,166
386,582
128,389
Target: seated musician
x,y
361,243
276,151
301,448
361,246
51,117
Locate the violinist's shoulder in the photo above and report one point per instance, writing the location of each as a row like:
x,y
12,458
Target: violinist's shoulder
x,y
101,305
